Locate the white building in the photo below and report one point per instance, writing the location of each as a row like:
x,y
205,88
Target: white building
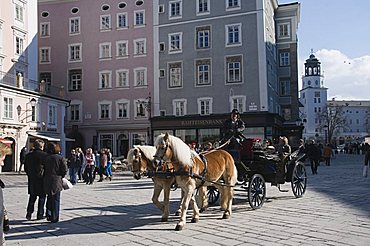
x,y
313,97
28,109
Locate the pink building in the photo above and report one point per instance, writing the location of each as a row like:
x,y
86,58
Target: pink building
x,y
102,53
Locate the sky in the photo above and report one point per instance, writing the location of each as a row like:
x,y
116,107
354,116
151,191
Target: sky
x,y
338,32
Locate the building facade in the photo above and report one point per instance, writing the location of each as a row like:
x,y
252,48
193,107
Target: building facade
x,y
102,53
28,110
214,56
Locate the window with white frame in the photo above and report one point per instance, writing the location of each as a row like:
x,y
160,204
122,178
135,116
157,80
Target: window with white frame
x,y
140,76
203,37
8,108
175,75
45,29
105,50
105,79
121,48
122,20
140,46
141,110
122,78
238,102
105,23
203,7
232,4
74,25
139,18
45,55
75,52
285,88
233,34
75,80
203,72
284,58
52,115
234,69
284,30
205,105
122,107
19,12
175,42
179,107
105,110
19,45
75,112
175,9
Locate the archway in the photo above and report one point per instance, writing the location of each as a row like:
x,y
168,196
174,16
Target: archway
x,y
9,161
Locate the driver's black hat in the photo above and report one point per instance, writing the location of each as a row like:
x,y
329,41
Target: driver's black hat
x,y
235,111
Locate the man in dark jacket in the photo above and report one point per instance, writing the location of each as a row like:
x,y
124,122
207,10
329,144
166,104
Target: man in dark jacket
x,y
33,167
22,158
314,154
233,127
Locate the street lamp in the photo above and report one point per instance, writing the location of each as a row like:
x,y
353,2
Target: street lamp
x,y
20,112
146,105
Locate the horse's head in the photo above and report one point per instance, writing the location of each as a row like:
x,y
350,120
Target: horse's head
x,y
134,158
164,150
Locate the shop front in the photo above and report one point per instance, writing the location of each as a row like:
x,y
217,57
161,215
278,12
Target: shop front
x,y
203,129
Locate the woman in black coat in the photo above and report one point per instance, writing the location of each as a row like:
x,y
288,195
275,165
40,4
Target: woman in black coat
x,y
54,170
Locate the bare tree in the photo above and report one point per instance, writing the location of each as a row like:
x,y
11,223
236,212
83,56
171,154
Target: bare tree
x,y
332,118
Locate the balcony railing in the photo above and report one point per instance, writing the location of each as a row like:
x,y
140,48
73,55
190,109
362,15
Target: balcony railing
x,y
21,82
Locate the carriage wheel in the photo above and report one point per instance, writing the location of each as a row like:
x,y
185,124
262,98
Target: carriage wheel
x,y
299,180
256,191
213,195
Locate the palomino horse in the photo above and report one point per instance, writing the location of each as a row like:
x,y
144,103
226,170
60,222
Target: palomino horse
x,y
219,165
141,158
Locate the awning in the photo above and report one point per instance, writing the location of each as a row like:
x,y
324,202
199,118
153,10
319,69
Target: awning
x,y
49,137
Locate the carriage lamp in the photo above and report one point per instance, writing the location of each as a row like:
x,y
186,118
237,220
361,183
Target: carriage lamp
x,y
21,112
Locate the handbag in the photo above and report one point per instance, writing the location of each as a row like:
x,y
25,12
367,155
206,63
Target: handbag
x,y
66,184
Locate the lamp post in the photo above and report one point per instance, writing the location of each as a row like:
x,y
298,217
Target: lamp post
x,y
147,104
20,112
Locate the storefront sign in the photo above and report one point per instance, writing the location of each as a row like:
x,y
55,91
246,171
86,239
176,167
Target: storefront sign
x,y
201,123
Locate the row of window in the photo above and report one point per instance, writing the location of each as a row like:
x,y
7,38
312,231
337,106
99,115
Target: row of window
x,y
203,7
142,107
75,78
141,110
8,113
105,51
105,23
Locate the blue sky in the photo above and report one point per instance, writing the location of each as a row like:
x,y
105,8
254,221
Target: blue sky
x,y
338,31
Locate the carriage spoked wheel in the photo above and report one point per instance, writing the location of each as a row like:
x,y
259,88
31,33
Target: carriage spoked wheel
x,y
213,195
299,179
256,191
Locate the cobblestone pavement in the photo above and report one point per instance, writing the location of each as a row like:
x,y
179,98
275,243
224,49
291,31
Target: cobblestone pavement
x,y
334,211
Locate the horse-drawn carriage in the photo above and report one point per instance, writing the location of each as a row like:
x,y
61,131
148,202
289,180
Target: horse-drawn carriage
x,y
256,167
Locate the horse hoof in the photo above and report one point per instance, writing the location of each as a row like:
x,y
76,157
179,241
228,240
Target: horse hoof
x,y
226,216
177,213
194,220
164,219
178,227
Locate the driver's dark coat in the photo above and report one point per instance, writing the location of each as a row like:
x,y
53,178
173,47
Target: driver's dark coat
x,y
230,128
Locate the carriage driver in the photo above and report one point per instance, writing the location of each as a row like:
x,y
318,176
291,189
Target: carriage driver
x,y
233,127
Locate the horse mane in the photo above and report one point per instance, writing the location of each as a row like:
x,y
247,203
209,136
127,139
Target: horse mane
x,y
181,150
147,150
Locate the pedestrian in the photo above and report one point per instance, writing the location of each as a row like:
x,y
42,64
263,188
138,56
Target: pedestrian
x,y
81,170
22,158
97,164
327,153
367,162
314,155
283,147
103,163
108,168
301,147
33,167
74,164
5,149
90,166
55,169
